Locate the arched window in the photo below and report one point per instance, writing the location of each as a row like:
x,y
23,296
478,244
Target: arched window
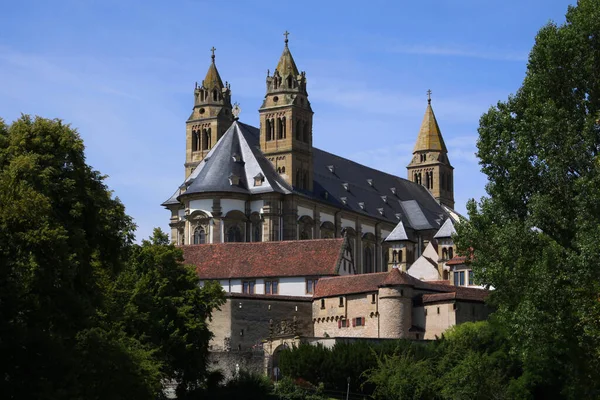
x,y
283,170
368,260
206,139
400,256
199,235
194,141
299,130
394,256
257,232
450,252
444,254
215,95
234,234
202,95
289,81
306,133
268,129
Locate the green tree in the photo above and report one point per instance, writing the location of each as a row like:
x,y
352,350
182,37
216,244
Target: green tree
x,y
62,241
162,305
536,238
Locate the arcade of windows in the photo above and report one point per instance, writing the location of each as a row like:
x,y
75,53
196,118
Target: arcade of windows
x,y
276,129
201,139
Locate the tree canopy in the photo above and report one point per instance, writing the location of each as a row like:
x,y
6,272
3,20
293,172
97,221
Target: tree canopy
x,y
536,236
85,313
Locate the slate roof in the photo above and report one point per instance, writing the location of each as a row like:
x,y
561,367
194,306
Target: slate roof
x,y
319,257
364,283
446,231
349,185
398,234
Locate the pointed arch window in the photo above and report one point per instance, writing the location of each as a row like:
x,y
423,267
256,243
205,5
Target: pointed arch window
x,y
195,144
199,235
215,95
394,256
290,81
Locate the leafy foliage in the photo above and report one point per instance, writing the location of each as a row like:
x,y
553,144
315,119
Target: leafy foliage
x,y
536,238
84,313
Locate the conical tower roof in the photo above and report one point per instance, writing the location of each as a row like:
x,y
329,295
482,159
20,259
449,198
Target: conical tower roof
x,y
286,62
212,78
430,136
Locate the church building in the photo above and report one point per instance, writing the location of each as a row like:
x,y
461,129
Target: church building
x,y
268,183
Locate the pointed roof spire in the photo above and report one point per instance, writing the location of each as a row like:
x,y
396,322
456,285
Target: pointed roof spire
x,y
430,136
213,79
286,63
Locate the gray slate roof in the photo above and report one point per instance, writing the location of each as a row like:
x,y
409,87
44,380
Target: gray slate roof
x,y
398,234
338,181
446,231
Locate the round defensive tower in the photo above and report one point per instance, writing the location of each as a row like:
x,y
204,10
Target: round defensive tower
x,y
395,305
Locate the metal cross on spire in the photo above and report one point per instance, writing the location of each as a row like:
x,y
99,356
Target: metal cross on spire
x,y
212,49
429,96
286,33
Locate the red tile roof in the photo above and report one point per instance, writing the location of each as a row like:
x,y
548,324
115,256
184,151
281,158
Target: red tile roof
x,y
352,284
457,260
320,257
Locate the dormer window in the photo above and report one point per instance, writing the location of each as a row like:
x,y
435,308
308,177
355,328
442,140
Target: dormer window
x,y
370,182
384,198
346,186
331,168
398,216
380,211
234,180
393,190
344,200
361,205
236,157
259,179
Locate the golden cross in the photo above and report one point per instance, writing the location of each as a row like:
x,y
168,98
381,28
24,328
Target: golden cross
x,y
286,33
429,96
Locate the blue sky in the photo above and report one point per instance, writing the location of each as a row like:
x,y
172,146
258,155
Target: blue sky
x,y
123,73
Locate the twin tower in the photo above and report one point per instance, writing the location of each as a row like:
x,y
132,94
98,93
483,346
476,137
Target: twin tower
x,y
286,130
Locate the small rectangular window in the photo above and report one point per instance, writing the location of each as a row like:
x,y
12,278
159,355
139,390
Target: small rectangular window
x,y
373,298
438,310
470,277
360,321
344,323
456,278
462,278
271,287
322,304
248,287
311,285
341,301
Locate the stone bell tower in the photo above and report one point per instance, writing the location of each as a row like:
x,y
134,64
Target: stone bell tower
x,y
286,123
211,116
430,165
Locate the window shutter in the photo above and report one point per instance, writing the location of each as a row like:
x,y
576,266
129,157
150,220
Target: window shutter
x,y
353,322
339,323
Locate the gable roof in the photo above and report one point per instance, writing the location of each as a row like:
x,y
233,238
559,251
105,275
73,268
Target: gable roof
x,y
320,257
446,231
365,283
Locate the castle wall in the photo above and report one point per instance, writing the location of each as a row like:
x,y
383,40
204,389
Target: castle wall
x,y
438,318
326,316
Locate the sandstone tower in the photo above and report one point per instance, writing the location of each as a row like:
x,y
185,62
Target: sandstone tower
x,y
286,123
210,118
430,165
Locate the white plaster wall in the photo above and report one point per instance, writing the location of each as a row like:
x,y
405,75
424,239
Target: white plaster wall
x,y
231,205
259,287
424,270
368,228
202,205
257,206
305,211
327,218
348,223
293,286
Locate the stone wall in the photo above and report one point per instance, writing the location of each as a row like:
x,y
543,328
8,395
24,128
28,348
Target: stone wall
x,y
228,362
327,313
